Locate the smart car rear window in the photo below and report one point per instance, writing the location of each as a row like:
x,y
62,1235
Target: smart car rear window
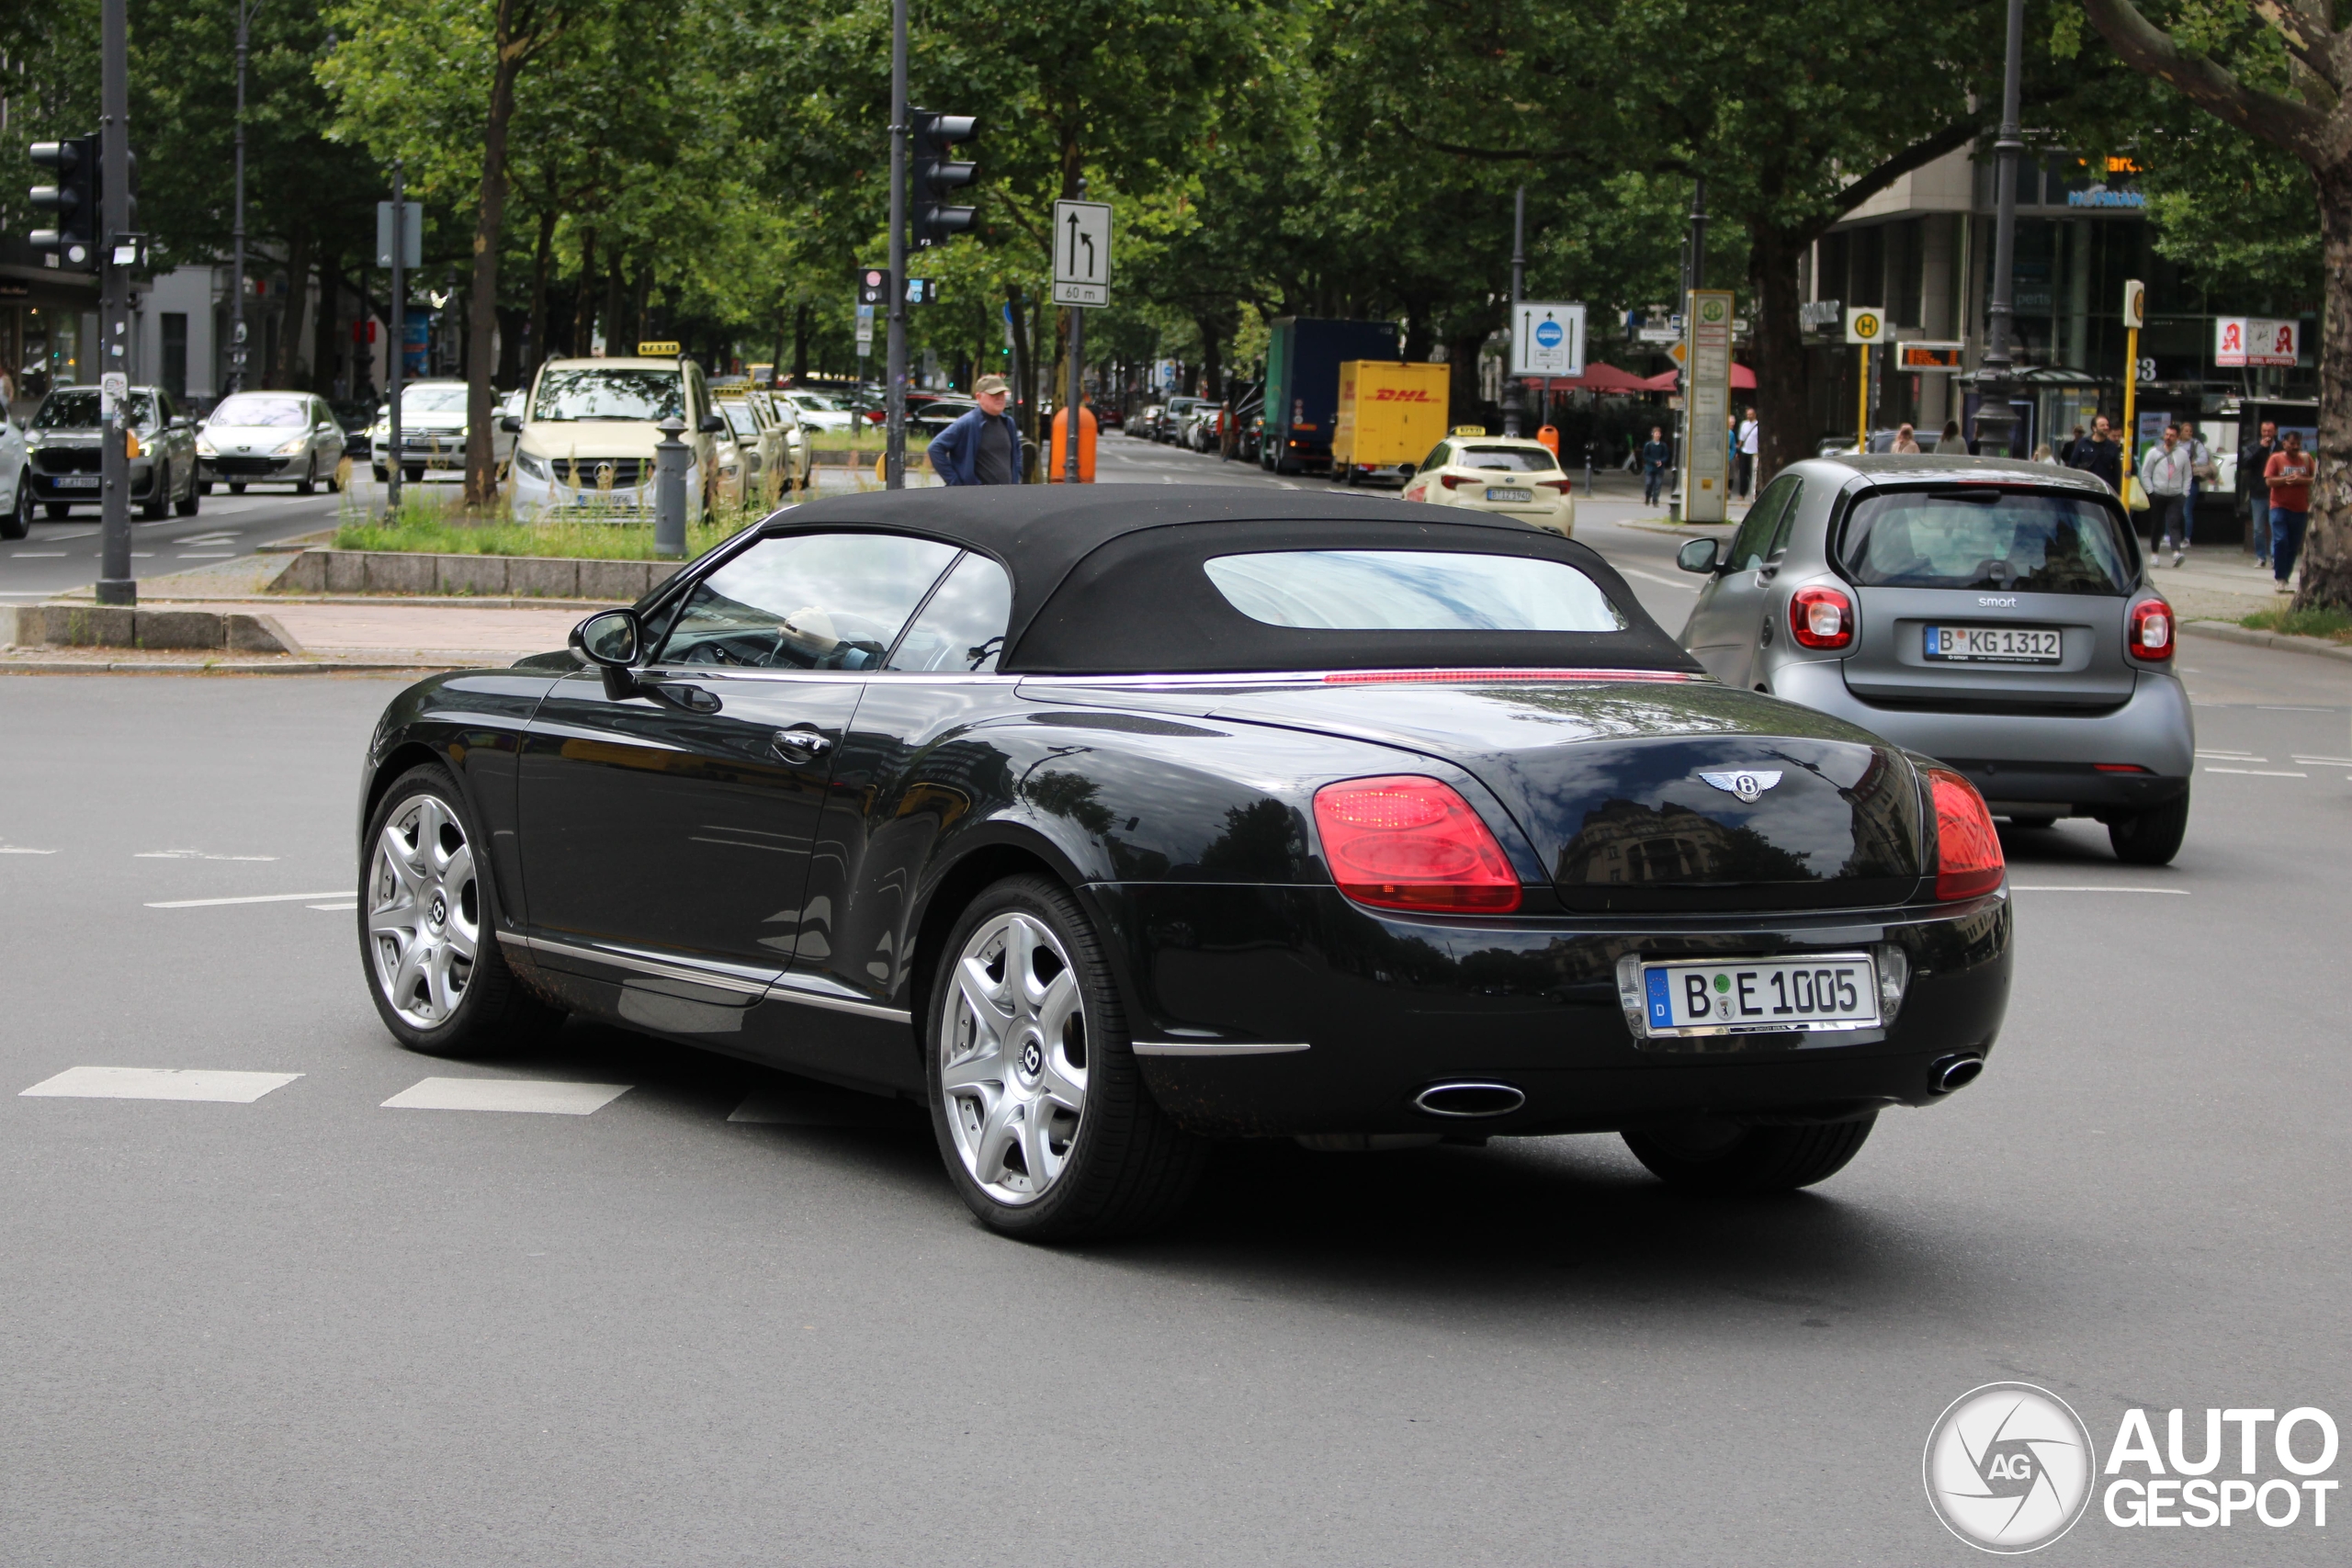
x,y
2015,541
1508,459
1412,591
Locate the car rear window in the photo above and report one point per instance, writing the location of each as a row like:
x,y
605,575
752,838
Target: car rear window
x,y
2019,541
1412,591
1508,459
282,413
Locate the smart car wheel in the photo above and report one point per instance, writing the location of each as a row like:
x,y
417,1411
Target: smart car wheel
x,y
1041,1113
1711,1156
427,939
19,521
2151,837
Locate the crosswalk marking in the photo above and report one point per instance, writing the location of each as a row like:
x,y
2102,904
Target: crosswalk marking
x,y
160,1083
507,1094
249,899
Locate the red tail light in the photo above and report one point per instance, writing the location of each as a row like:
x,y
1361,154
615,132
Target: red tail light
x,y
1821,617
2151,630
1406,842
1560,485
1968,851
1450,482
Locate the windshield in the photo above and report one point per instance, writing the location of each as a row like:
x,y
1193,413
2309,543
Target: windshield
x,y
2014,540
433,400
79,410
740,416
633,395
816,402
291,414
1412,591
1509,459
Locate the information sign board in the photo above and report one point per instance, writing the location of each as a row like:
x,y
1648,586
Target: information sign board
x,y
1081,252
1547,339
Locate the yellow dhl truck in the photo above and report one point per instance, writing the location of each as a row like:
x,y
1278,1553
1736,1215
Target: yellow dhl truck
x,y
1390,413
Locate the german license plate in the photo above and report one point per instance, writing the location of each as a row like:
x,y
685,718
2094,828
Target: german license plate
x,y
1509,492
1762,996
1994,645
77,481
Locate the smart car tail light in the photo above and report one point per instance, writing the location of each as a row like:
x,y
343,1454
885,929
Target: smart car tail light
x,y
1968,851
2151,630
1406,842
1821,617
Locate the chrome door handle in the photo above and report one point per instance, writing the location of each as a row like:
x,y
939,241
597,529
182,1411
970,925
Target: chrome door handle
x,y
800,745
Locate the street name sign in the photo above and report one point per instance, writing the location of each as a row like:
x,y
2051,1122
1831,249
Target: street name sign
x,y
1081,252
1547,339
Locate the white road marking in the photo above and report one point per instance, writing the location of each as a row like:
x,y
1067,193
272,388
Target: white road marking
x,y
2257,772
76,533
12,850
160,1083
250,898
333,907
191,854
1653,577
813,1108
223,555
2044,887
2237,756
507,1094
2326,762
37,554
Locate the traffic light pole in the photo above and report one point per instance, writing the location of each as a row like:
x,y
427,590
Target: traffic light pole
x,y
397,350
894,362
116,585
1514,396
237,220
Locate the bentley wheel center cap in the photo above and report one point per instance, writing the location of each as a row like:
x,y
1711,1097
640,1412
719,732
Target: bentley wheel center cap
x,y
1033,1061
440,913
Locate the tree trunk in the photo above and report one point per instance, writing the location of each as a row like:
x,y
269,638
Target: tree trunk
x,y
1461,378
584,298
2326,582
481,467
324,348
1212,357
535,336
800,344
1779,350
298,300
1024,410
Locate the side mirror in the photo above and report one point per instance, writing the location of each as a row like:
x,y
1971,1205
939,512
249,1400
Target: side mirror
x,y
610,639
510,424
1699,555
713,425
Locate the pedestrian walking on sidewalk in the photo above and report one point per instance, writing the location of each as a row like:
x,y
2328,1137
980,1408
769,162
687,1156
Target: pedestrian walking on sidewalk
x,y
1748,456
983,447
2164,475
2100,456
1951,442
2289,474
1905,441
1656,456
2201,473
2253,461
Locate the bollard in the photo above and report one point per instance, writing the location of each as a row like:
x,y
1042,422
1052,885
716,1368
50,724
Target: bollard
x,y
670,456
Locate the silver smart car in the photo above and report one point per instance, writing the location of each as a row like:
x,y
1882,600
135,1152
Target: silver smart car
x,y
1992,614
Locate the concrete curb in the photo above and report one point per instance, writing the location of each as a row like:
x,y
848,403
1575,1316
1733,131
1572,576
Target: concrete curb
x,y
108,625
525,577
211,667
2223,631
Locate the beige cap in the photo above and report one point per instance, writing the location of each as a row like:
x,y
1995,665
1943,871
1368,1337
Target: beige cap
x,y
987,383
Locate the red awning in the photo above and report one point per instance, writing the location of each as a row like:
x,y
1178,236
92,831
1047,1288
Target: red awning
x,y
1743,380
1601,378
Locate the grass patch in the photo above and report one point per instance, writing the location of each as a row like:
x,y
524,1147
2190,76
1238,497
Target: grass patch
x,y
429,525
2333,625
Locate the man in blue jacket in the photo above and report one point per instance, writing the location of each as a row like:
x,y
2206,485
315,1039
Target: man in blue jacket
x,y
984,446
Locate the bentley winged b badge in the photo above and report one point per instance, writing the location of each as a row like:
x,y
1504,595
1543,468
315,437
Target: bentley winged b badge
x,y
1746,783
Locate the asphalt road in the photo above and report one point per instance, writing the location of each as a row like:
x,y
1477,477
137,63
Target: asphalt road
x,y
730,1317
62,553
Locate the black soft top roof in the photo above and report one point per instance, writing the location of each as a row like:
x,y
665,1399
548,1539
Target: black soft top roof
x,y
1108,579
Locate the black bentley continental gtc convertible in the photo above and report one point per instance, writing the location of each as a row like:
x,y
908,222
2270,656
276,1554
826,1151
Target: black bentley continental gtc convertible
x,y
1115,822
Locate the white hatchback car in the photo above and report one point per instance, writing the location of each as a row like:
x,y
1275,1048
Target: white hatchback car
x,y
1505,475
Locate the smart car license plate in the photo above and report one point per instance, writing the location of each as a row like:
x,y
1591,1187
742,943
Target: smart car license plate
x,y
1994,645
77,481
1509,492
1760,995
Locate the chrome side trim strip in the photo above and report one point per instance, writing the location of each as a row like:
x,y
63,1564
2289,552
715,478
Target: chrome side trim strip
x,y
784,991
676,969
1212,1048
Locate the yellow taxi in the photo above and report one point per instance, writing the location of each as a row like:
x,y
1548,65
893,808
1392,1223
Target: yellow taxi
x,y
1507,475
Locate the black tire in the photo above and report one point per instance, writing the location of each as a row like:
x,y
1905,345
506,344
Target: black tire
x,y
1127,1167
492,1012
158,503
19,521
413,476
382,474
203,487
1709,1156
57,509
308,483
186,506
335,478
2150,836
236,487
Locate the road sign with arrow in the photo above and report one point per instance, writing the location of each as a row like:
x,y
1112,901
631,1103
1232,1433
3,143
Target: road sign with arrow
x,y
1081,252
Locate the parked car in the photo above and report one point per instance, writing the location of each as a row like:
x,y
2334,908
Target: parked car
x,y
1200,426
270,438
1145,426
819,411
433,427
801,452
1994,613
760,440
926,421
15,479
1109,831
1505,475
585,439
1170,430
62,441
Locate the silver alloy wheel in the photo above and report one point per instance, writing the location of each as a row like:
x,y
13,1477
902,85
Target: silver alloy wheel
x,y
1013,1057
424,912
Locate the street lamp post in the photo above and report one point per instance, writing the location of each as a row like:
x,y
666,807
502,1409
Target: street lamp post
x,y
237,222
1514,399
894,354
1996,420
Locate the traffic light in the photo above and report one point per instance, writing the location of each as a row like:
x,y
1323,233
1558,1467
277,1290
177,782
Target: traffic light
x,y
73,199
873,286
936,176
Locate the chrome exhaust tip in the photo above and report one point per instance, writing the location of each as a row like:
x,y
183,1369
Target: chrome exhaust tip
x,y
1954,1072
1469,1100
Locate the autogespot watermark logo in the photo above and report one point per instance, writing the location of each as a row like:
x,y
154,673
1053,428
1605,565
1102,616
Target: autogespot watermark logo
x,y
2010,1467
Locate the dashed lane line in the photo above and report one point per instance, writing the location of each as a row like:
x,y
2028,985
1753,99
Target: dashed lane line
x,y
2257,772
2086,887
333,908
159,1083
532,1095
248,899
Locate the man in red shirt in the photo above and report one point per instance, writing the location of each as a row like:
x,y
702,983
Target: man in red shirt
x,y
2289,474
